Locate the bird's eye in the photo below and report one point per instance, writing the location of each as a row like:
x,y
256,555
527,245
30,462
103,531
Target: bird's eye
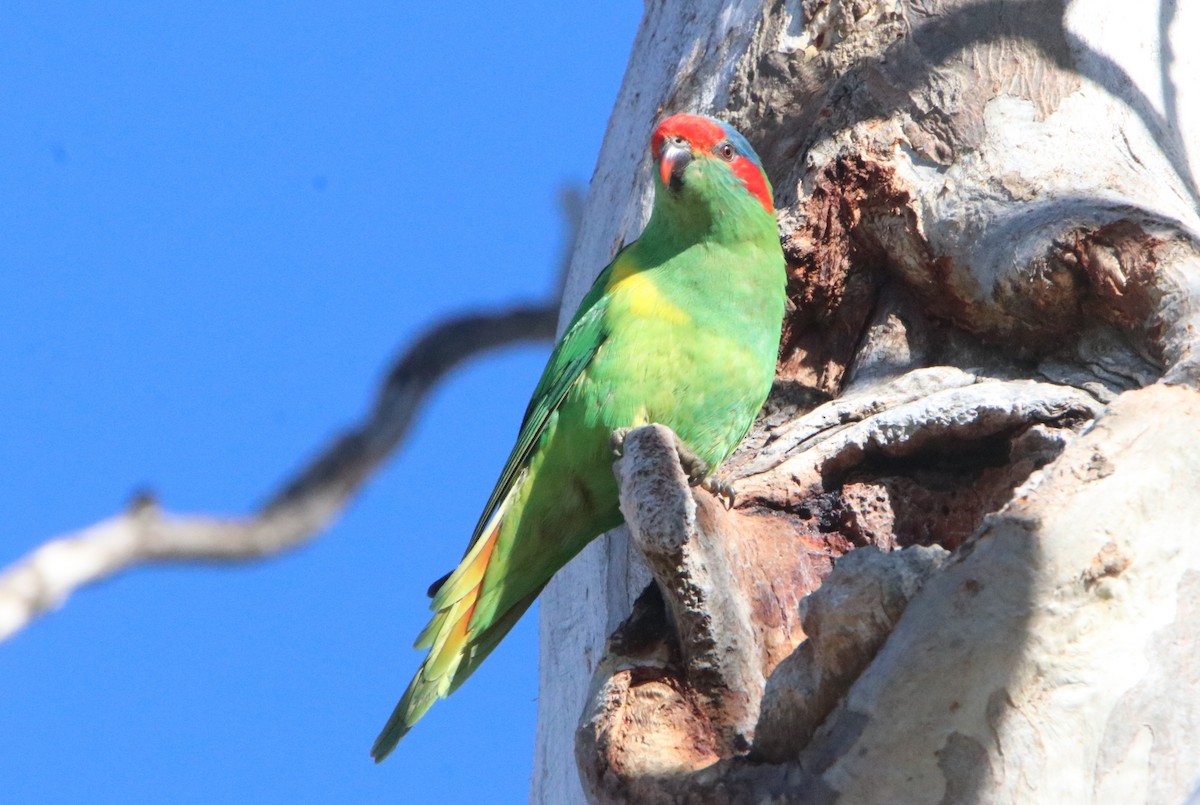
x,y
727,152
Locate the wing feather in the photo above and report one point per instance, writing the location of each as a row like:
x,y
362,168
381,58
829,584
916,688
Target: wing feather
x,y
587,331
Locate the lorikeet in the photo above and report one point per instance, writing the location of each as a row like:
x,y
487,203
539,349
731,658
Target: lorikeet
x,y
681,329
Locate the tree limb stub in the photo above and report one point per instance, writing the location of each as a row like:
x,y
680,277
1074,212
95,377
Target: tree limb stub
x,y
685,540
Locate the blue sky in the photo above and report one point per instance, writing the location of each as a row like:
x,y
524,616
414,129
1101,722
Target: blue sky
x,y
218,223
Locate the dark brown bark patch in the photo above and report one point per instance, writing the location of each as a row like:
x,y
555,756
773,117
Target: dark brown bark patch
x,y
834,271
1119,263
939,497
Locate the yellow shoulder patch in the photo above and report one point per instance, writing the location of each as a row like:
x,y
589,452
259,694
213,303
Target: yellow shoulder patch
x,y
641,295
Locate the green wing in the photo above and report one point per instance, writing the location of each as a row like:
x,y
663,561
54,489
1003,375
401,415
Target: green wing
x,y
571,355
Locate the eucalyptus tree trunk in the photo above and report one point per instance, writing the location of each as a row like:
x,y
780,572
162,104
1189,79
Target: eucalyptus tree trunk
x,y
964,560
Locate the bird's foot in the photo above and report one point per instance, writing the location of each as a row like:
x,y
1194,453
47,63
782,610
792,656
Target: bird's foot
x,y
695,468
616,442
722,489
700,474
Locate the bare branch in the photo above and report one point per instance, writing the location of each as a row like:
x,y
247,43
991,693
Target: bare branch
x,y
304,505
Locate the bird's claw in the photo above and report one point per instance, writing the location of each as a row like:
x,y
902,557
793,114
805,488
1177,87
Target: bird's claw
x,y
695,468
616,442
700,474
721,489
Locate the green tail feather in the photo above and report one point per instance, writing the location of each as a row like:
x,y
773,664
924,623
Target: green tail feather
x,y
422,692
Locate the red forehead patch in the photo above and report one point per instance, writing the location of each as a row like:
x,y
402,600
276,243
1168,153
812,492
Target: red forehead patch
x,y
701,132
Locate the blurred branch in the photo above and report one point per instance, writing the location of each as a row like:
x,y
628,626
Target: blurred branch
x,y
305,504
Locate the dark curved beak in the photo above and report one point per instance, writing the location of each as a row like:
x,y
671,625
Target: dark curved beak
x,y
672,163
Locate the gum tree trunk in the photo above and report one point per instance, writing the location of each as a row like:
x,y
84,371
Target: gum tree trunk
x,y
964,562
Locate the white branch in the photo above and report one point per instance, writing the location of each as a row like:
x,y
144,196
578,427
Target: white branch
x,y
304,506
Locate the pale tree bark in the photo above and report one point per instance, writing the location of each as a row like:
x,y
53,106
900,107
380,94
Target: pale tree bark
x,y
964,562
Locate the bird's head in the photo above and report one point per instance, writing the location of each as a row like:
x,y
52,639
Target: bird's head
x,y
701,161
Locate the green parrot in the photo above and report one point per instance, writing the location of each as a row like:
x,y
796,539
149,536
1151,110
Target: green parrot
x,y
681,329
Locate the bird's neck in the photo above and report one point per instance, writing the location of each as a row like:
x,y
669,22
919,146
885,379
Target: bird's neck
x,y
731,221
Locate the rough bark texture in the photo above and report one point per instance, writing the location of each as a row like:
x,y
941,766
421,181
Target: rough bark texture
x,y
963,559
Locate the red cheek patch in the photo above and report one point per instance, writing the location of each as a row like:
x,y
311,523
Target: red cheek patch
x,y
755,182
